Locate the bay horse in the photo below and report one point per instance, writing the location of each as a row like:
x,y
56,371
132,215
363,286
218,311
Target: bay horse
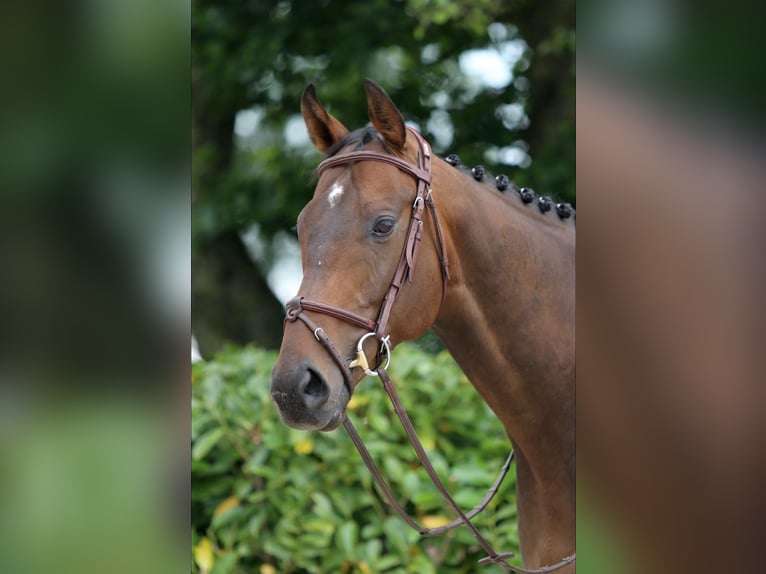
x,y
487,266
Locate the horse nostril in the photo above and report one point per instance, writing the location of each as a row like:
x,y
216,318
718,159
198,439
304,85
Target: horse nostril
x,y
313,390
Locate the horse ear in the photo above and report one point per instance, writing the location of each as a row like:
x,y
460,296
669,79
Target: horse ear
x,y
324,130
384,115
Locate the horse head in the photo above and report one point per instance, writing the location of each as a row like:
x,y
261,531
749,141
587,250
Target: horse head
x,y
359,237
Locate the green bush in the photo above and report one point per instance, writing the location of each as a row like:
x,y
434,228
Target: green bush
x,y
269,499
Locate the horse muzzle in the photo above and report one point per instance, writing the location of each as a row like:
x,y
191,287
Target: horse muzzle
x,y
304,398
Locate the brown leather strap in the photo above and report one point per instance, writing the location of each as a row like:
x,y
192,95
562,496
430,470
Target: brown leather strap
x,y
391,499
443,261
298,304
294,313
411,248
423,173
423,457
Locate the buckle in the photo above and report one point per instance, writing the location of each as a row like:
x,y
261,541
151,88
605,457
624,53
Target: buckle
x,y
361,358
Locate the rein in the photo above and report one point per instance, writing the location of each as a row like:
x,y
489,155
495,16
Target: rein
x,y
377,329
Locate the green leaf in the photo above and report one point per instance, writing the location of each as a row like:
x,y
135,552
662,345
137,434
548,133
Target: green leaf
x,y
225,563
420,564
472,475
206,442
395,531
322,505
228,517
372,550
394,469
347,536
386,562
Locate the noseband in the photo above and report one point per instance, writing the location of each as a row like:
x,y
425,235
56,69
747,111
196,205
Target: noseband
x,y
297,306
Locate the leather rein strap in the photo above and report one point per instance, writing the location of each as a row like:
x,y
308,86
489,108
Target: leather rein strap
x,y
297,306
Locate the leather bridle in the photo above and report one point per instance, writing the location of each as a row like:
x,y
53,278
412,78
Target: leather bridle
x,y
298,305
404,269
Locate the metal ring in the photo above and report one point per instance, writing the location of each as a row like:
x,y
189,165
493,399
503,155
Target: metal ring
x,y
316,333
386,345
415,204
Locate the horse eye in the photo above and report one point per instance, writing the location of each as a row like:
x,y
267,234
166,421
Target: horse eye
x,y
383,226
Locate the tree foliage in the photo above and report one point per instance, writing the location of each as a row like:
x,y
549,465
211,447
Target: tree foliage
x,y
251,61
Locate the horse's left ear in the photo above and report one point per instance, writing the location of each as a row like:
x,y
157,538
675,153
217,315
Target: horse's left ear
x,y
384,115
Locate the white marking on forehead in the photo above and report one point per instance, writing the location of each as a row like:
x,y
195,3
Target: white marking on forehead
x,y
335,194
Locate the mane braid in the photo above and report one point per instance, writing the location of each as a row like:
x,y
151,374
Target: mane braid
x,y
488,180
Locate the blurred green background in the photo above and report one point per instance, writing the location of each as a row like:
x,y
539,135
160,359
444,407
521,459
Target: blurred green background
x,y
94,286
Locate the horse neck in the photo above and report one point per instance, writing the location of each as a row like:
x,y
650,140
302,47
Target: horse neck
x,y
508,319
